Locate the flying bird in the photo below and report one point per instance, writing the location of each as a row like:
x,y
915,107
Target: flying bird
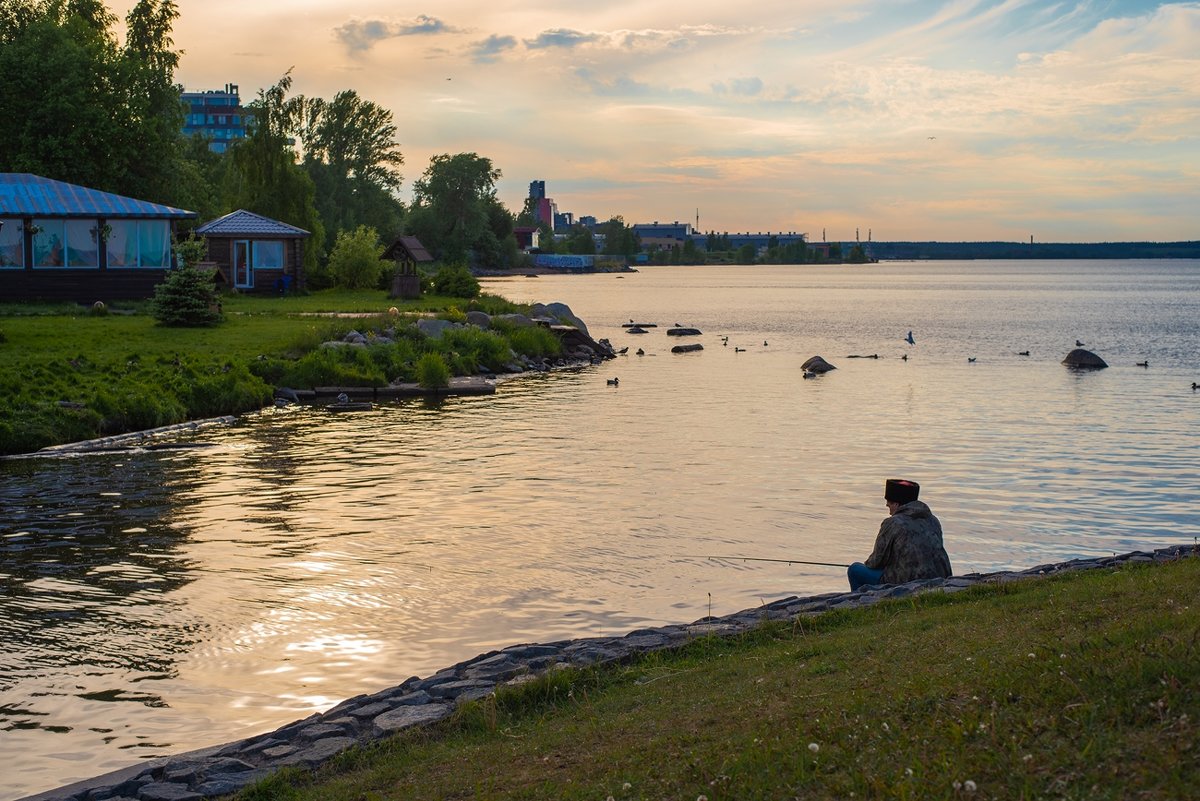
x,y
909,339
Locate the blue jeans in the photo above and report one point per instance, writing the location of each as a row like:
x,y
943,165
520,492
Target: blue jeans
x,y
859,574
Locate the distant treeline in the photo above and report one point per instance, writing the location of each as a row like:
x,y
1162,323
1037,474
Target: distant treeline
x,y
1039,250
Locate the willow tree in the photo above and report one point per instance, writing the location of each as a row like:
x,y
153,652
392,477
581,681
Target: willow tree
x,y
264,176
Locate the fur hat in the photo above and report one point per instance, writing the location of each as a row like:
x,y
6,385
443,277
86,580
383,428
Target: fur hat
x,y
901,491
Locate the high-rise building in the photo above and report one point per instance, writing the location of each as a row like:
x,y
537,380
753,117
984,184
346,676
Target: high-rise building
x,y
537,190
216,114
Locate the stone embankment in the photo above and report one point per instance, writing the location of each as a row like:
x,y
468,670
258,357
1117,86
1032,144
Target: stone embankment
x,y
419,702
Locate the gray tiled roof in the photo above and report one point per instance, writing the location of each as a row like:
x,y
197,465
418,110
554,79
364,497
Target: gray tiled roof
x,y
26,195
247,223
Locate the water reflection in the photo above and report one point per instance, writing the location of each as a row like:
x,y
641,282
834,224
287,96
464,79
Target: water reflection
x,y
161,601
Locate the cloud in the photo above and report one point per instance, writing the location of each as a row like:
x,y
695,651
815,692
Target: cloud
x,y
560,37
359,35
746,87
488,50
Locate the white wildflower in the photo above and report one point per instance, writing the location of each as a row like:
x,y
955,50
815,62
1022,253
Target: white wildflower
x,y
908,772
957,786
886,727
626,786
1033,656
969,786
701,798
814,747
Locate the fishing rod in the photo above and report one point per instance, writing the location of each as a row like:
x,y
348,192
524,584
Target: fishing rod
x,y
762,559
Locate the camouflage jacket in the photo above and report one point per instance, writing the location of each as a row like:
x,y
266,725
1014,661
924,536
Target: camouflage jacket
x,y
909,546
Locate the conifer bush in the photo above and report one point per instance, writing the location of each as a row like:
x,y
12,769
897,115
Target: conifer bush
x,y
188,296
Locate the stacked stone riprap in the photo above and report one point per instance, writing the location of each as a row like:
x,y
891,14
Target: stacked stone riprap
x,y
225,769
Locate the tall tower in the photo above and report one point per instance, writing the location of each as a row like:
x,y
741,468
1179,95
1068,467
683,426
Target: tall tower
x,y
537,190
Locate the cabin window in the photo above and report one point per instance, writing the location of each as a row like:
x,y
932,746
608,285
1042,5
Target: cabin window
x,y
12,243
154,243
82,247
139,243
121,243
268,255
49,243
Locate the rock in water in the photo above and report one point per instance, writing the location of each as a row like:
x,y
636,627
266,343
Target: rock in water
x,y
817,365
1084,359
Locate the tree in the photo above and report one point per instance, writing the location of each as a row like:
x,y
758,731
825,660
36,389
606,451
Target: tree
x,y
456,214
81,108
580,240
351,154
154,110
745,254
619,238
355,262
264,176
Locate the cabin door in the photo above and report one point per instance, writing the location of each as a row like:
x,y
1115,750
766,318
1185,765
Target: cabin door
x,y
243,278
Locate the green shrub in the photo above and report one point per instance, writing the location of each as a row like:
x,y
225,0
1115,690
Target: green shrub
x,y
477,347
456,281
432,372
188,298
348,366
534,340
354,262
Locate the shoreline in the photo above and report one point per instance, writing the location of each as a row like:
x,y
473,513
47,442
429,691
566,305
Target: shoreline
x,y
312,741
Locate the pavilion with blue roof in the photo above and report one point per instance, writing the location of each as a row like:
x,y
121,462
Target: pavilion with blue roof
x,y
255,253
60,241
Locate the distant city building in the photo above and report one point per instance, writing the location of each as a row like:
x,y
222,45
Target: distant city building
x,y
563,221
661,231
216,114
759,241
537,190
588,221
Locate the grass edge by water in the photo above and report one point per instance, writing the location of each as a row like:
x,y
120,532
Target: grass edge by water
x,y
1079,686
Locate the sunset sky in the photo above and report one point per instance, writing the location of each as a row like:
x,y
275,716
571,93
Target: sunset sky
x,y
917,119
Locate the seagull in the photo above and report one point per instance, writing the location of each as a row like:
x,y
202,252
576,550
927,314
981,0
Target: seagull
x,y
904,357
738,350
1078,344
641,352
970,358
1144,364
764,343
909,339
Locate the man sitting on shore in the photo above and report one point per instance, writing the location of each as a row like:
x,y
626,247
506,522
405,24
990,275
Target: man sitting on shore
x,y
909,544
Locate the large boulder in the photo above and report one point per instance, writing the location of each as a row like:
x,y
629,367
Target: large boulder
x,y
683,332
561,312
479,319
519,320
817,365
434,328
1084,360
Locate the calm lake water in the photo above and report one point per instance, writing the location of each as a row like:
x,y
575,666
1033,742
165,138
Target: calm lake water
x,y
156,602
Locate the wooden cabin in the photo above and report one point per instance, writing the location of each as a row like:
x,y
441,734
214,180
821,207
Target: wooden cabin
x,y
408,253
63,242
253,253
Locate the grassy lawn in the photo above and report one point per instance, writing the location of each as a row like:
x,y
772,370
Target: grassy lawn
x,y
1085,686
68,375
